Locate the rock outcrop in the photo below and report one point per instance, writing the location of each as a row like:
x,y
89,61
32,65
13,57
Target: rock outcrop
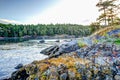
x,y
76,61
97,62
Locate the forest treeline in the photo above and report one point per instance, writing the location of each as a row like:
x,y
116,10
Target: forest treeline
x,y
10,30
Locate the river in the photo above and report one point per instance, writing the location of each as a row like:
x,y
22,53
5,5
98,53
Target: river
x,y
12,54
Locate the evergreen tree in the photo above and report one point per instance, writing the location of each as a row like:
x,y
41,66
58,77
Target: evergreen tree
x,y
109,10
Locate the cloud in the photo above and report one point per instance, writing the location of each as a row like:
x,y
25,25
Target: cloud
x,y
68,11
6,21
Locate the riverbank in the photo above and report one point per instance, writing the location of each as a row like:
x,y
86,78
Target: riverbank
x,y
26,38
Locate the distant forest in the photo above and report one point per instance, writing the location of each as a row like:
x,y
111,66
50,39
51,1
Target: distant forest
x,y
10,30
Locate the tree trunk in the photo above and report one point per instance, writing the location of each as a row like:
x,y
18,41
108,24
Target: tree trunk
x,y
105,17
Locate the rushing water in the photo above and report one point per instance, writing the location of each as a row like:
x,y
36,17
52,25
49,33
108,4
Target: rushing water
x,y
24,52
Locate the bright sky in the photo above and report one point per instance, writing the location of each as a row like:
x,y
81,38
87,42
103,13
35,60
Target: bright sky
x,y
49,11
68,11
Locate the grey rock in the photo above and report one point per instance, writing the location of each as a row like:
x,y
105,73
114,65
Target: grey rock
x,y
61,68
53,73
19,66
63,76
71,75
108,77
42,41
57,50
69,47
47,72
117,77
79,65
48,50
80,52
57,40
80,70
19,75
36,78
84,77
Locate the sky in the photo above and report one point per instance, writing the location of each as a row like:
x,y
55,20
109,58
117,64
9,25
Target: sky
x,y
49,11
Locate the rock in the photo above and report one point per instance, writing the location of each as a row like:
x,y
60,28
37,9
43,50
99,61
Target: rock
x,y
48,50
31,69
118,70
14,75
71,75
79,65
118,62
47,72
114,72
53,73
80,52
108,77
61,68
63,76
114,32
19,75
36,79
88,74
19,66
102,65
107,53
57,50
84,77
80,71
54,52
69,47
42,41
117,77
91,53
57,41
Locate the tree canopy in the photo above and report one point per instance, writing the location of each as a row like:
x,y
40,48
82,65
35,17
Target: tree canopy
x,y
109,10
9,30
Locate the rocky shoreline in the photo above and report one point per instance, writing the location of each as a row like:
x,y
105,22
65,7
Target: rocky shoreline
x,y
84,59
97,62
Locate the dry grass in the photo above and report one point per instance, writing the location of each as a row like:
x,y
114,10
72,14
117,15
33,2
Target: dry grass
x,y
105,30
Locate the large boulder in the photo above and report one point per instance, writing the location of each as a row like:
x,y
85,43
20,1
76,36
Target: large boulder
x,y
57,50
49,50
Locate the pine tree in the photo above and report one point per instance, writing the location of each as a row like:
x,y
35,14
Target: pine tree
x,y
109,10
